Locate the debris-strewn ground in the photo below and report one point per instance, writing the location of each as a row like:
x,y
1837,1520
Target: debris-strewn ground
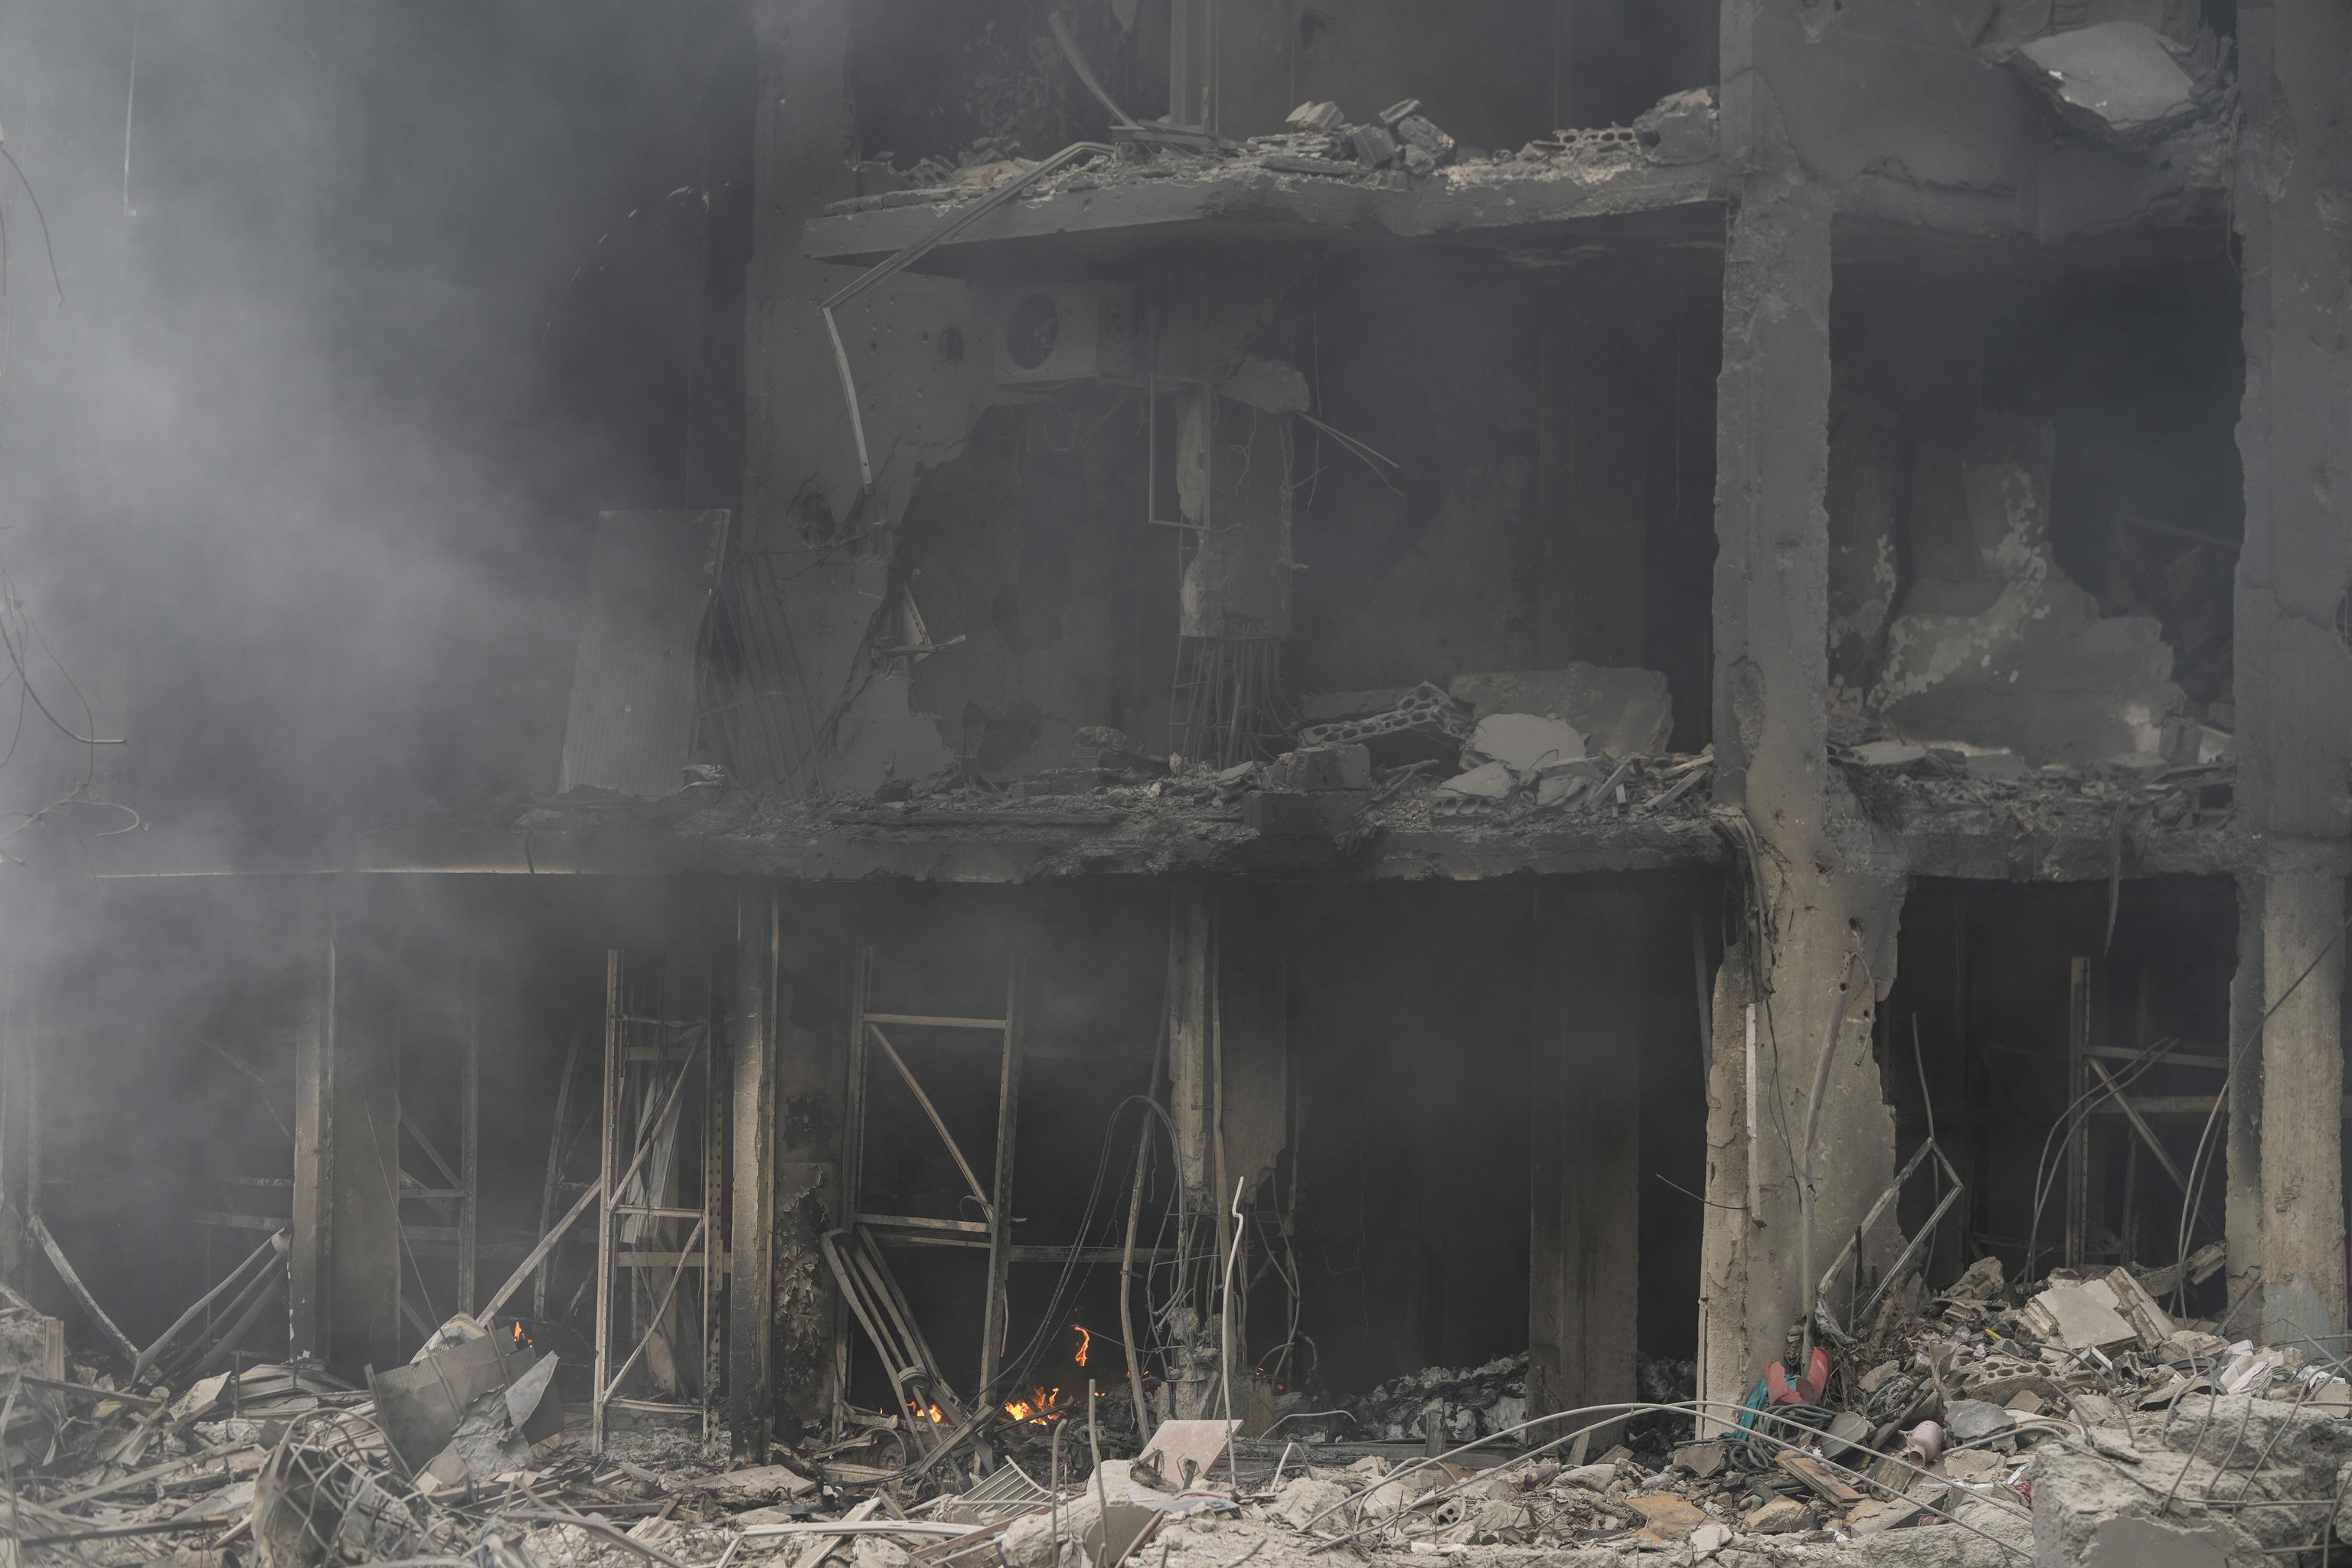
x,y
2073,1423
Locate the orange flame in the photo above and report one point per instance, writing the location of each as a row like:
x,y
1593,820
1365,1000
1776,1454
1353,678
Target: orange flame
x,y
1039,1406
1086,1343
932,1414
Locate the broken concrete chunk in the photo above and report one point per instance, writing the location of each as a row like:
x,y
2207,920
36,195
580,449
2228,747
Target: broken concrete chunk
x,y
1974,1420
1395,113
1422,724
1887,754
1591,1478
2089,1510
1420,131
1679,128
1779,1516
1313,116
1268,384
1419,163
1489,780
1322,767
1666,1516
1701,1460
1284,816
1374,145
1524,742
1623,713
1300,164
2116,79
2098,1314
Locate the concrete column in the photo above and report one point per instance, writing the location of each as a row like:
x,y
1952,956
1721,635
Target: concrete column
x,y
2242,1203
750,1281
2294,672
1191,1006
1584,1253
362,1177
311,1317
812,1089
2302,1130
1823,893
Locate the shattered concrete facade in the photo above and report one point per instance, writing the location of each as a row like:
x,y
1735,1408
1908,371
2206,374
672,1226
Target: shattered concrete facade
x,y
1511,693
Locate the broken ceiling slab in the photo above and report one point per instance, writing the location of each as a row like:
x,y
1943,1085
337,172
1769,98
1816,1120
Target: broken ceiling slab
x,y
2117,79
1994,646
2101,1314
1101,209
1622,713
1524,742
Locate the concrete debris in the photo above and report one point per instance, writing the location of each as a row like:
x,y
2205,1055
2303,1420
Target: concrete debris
x,y
1419,130
1268,384
2098,1314
1488,780
1524,743
1318,768
1315,117
1679,128
1622,713
2116,79
1994,646
1422,723
1375,147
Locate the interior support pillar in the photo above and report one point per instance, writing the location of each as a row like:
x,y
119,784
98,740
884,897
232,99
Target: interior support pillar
x,y
751,1280
309,1303
1584,1273
811,1093
2303,1132
1191,1008
2293,669
1821,893
343,1268
2242,1203
1192,1045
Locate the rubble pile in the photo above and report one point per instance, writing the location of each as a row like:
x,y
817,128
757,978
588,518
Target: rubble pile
x,y
1896,781
1401,145
1461,1403
2073,1422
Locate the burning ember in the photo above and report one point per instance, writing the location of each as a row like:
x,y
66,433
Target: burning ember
x,y
932,1414
1086,1343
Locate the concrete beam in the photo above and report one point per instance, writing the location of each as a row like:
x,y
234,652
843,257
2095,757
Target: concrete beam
x,y
750,1395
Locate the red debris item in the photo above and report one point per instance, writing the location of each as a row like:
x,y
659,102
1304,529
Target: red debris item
x,y
1806,1390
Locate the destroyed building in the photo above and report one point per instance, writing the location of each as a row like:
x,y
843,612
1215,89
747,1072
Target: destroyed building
x,y
1359,719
